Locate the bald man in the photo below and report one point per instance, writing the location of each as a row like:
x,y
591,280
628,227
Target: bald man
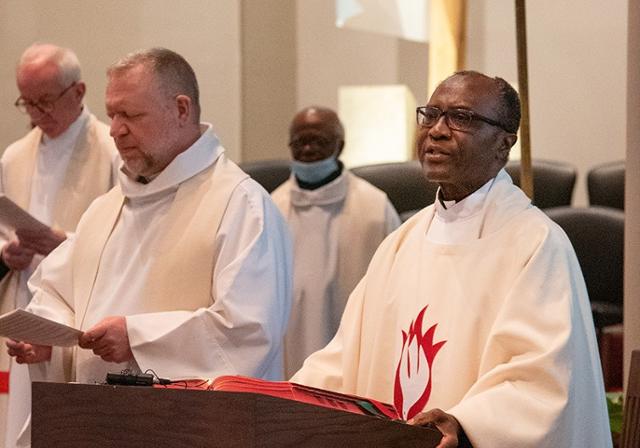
x,y
337,221
54,172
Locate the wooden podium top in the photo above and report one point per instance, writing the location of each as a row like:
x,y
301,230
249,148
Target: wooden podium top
x,y
82,415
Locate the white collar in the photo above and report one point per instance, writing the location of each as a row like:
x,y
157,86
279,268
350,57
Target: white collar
x,y
469,206
334,191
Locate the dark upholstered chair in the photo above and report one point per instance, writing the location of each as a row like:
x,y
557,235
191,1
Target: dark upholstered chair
x,y
631,413
605,184
404,183
268,173
553,181
597,235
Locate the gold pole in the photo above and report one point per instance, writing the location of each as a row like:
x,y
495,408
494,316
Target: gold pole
x,y
526,176
447,40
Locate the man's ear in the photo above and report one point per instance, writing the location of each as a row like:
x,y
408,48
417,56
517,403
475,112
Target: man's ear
x,y
506,143
184,108
339,150
80,89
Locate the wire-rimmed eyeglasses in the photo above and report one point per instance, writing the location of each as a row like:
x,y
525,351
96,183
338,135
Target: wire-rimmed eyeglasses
x,y
44,106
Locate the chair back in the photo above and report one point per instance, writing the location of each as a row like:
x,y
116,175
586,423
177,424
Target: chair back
x,y
553,181
597,236
631,413
268,173
405,184
605,184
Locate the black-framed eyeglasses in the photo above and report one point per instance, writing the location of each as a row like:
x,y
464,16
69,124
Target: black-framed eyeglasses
x,y
457,119
44,106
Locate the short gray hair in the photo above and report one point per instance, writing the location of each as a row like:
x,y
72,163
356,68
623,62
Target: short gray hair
x,y
174,73
64,58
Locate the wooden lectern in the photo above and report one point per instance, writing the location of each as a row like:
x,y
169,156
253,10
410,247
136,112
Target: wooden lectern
x,y
82,415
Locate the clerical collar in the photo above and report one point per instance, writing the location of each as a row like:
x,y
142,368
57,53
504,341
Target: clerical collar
x,y
330,178
331,193
456,210
144,180
446,204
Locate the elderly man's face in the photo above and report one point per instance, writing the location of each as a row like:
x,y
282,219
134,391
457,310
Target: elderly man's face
x,y
462,161
313,137
39,84
144,121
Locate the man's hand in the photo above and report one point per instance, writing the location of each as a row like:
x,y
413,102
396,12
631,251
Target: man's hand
x,y
108,339
28,353
16,256
42,242
452,433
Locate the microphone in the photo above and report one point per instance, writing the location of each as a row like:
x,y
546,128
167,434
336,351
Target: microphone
x,y
127,379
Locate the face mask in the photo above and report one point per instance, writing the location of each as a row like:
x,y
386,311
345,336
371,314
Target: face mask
x,y
314,172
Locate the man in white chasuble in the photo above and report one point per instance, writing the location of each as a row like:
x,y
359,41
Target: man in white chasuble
x,y
473,316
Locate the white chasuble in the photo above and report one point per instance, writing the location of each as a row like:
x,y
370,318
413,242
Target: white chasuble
x,y
496,331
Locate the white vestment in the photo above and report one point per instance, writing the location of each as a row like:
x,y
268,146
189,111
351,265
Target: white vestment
x,y
336,230
199,261
497,330
55,180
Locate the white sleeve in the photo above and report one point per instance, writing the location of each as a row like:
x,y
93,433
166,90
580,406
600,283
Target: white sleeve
x,y
335,366
242,331
51,287
540,373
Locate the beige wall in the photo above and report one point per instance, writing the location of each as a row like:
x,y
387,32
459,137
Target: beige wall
x,y
577,86
206,32
268,77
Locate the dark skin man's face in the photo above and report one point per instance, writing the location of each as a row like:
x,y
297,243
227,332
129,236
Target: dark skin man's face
x,y
313,136
462,161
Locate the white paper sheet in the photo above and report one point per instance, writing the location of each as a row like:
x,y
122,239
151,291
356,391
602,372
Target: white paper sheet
x,y
13,217
24,326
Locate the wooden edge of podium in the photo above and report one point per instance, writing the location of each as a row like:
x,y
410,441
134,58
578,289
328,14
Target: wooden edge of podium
x,y
80,415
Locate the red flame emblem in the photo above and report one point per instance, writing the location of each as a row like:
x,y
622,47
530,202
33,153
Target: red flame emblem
x,y
413,375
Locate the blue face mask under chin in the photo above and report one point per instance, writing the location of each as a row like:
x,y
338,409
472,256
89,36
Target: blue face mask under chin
x,y
314,172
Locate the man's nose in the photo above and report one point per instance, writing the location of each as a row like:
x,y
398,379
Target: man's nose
x,y
441,128
118,128
34,112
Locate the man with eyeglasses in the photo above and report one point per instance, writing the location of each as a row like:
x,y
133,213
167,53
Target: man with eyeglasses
x,y
473,316
337,221
54,172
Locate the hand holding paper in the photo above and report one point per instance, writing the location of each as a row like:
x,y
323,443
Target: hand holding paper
x,y
108,339
14,217
41,241
16,256
28,353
